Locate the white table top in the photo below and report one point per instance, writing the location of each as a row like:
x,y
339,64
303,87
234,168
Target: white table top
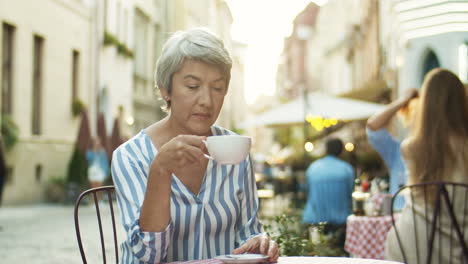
x,y
305,260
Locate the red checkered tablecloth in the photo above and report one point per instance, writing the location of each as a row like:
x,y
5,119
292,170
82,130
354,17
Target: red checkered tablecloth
x,y
365,235
377,199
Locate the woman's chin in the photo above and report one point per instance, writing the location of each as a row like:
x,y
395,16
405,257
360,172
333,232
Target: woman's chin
x,y
200,128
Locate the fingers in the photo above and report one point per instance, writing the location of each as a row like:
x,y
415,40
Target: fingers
x,y
246,247
196,141
191,153
273,252
411,93
186,147
261,244
264,244
181,151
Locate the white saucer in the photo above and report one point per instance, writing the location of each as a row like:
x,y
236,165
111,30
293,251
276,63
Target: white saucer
x,y
242,258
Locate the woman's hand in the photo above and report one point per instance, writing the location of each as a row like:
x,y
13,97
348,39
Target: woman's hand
x,y
260,244
410,94
179,152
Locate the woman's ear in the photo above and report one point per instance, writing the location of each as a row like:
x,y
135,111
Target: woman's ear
x,y
164,94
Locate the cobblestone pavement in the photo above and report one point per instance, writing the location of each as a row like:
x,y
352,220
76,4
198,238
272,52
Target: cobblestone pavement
x,y
41,234
45,234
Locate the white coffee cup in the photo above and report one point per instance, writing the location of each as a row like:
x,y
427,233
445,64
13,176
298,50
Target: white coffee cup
x,y
228,149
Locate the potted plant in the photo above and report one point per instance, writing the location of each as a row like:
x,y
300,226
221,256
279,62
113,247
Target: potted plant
x,y
55,190
10,131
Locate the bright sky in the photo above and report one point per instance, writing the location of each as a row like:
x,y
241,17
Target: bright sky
x,y
263,25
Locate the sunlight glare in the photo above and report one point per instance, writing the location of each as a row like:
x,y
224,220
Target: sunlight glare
x,y
263,25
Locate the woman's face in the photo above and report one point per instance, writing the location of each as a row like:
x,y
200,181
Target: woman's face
x,y
197,95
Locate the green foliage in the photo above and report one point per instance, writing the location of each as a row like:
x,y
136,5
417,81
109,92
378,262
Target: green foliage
x,y
282,135
110,39
293,239
122,49
10,132
238,131
55,190
77,107
77,168
370,160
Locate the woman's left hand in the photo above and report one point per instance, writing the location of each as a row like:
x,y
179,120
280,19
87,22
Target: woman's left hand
x,y
260,244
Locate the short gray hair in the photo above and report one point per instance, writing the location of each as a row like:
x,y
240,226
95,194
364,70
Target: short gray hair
x,y
197,44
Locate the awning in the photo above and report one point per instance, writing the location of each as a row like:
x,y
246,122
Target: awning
x,y
318,104
83,140
372,91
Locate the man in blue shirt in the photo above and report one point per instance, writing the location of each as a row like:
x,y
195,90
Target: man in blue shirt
x,y
330,183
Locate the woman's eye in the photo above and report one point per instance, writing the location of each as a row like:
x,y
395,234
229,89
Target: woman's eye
x,y
218,89
192,86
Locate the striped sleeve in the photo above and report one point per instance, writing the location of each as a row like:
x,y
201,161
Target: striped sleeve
x,y
130,166
249,225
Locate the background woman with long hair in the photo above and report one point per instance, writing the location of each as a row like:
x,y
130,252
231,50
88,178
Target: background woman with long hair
x,y
436,150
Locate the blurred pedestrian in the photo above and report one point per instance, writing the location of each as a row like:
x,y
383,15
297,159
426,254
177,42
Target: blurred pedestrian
x,y
98,164
436,150
330,183
388,146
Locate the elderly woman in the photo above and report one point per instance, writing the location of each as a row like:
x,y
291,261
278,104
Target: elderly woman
x,y
176,204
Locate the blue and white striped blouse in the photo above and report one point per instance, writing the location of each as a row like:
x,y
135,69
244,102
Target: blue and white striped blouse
x,y
220,218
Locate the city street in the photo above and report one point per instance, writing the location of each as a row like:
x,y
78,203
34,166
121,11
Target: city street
x,y
45,234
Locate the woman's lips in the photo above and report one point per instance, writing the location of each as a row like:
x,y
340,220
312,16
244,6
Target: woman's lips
x,y
202,116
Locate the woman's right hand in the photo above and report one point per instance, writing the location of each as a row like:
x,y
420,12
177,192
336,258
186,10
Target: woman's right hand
x,y
179,152
410,94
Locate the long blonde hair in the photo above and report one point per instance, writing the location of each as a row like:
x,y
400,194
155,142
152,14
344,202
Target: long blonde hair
x,y
440,132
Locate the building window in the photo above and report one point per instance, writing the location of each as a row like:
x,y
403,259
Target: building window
x,y
105,15
157,43
7,68
38,173
117,21
463,62
9,175
37,84
124,27
141,26
75,74
431,61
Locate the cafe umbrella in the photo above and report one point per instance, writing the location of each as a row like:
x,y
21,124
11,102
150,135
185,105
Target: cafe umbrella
x,y
83,140
102,134
116,138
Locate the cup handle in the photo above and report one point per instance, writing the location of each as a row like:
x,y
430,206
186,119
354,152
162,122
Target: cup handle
x,y
206,155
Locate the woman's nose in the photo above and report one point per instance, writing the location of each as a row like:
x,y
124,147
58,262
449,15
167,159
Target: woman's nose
x,y
205,97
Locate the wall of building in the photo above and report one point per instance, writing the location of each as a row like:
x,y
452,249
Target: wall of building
x,y
445,46
108,81
37,158
440,27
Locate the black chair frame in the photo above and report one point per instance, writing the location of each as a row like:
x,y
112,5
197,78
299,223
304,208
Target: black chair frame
x,y
441,194
109,190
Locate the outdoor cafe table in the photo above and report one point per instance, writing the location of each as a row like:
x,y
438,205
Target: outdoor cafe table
x,y
365,235
303,260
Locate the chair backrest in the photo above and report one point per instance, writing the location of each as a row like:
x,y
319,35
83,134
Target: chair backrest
x,y
101,196
437,213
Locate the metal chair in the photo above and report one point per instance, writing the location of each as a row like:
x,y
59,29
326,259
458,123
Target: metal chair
x,y
433,203
97,194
